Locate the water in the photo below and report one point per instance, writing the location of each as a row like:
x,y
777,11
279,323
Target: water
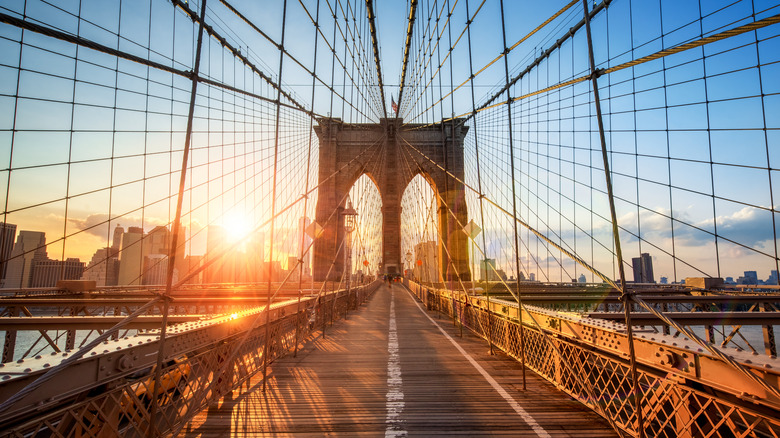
x,y
30,343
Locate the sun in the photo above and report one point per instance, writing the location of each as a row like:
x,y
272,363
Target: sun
x,y
237,227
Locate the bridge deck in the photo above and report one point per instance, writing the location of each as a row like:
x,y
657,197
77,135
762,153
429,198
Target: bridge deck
x,y
340,385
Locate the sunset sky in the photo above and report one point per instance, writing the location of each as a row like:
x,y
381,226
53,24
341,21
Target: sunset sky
x,y
88,141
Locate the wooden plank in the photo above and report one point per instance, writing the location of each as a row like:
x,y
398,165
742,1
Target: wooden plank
x,y
338,386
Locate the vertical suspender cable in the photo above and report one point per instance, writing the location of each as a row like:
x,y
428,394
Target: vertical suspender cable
x,y
152,430
516,237
273,199
308,168
625,296
479,187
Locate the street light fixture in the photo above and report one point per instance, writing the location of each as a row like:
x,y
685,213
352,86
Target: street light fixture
x,y
409,260
350,223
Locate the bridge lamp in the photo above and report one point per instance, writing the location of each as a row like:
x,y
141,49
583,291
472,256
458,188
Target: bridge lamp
x,y
409,260
349,226
349,218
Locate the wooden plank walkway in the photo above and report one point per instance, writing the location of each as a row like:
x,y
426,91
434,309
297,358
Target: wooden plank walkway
x,y
390,371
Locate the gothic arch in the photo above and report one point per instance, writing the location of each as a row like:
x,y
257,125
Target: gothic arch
x,y
343,148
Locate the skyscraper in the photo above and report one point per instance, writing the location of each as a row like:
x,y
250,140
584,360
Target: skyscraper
x,y
131,257
643,268
488,271
103,268
46,273
303,223
7,236
255,256
216,242
156,270
117,240
30,247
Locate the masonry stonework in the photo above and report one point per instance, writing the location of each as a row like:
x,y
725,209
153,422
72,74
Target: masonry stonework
x,y
391,154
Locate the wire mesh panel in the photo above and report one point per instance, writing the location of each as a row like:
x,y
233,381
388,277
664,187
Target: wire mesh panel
x,y
200,374
672,404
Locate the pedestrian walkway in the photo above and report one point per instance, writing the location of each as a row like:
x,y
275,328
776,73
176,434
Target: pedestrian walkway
x,y
394,369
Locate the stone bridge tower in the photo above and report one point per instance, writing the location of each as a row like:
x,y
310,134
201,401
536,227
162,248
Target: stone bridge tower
x,y
348,151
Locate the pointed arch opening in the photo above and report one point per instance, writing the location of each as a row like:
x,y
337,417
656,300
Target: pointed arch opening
x,y
365,244
420,230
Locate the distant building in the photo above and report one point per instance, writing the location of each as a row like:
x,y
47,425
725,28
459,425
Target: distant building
x,y
30,247
292,265
131,257
46,273
191,264
103,269
303,223
582,279
487,270
729,280
30,266
216,244
7,237
156,270
254,258
664,280
117,240
772,278
643,268
273,269
750,277
532,276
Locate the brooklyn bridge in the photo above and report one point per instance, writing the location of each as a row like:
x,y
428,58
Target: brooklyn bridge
x,y
365,218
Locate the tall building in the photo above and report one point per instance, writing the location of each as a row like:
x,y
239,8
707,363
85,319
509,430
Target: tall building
x,y
156,270
103,269
643,268
7,236
30,247
488,271
582,279
46,273
216,243
303,223
191,264
750,277
117,240
131,257
255,256
773,278
157,241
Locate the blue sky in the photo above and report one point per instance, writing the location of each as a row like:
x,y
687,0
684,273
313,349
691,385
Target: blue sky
x,y
691,136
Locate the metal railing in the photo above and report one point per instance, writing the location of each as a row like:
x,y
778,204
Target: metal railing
x,y
686,391
110,391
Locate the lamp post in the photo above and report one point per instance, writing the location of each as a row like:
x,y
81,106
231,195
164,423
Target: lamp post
x,y
409,261
349,226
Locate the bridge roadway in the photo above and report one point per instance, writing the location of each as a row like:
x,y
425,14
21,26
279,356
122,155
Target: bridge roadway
x,y
393,369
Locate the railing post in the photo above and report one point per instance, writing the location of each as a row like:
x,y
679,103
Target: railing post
x,y
9,342
770,346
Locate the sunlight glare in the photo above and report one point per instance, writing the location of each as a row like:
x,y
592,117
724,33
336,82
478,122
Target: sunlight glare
x,y
237,227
